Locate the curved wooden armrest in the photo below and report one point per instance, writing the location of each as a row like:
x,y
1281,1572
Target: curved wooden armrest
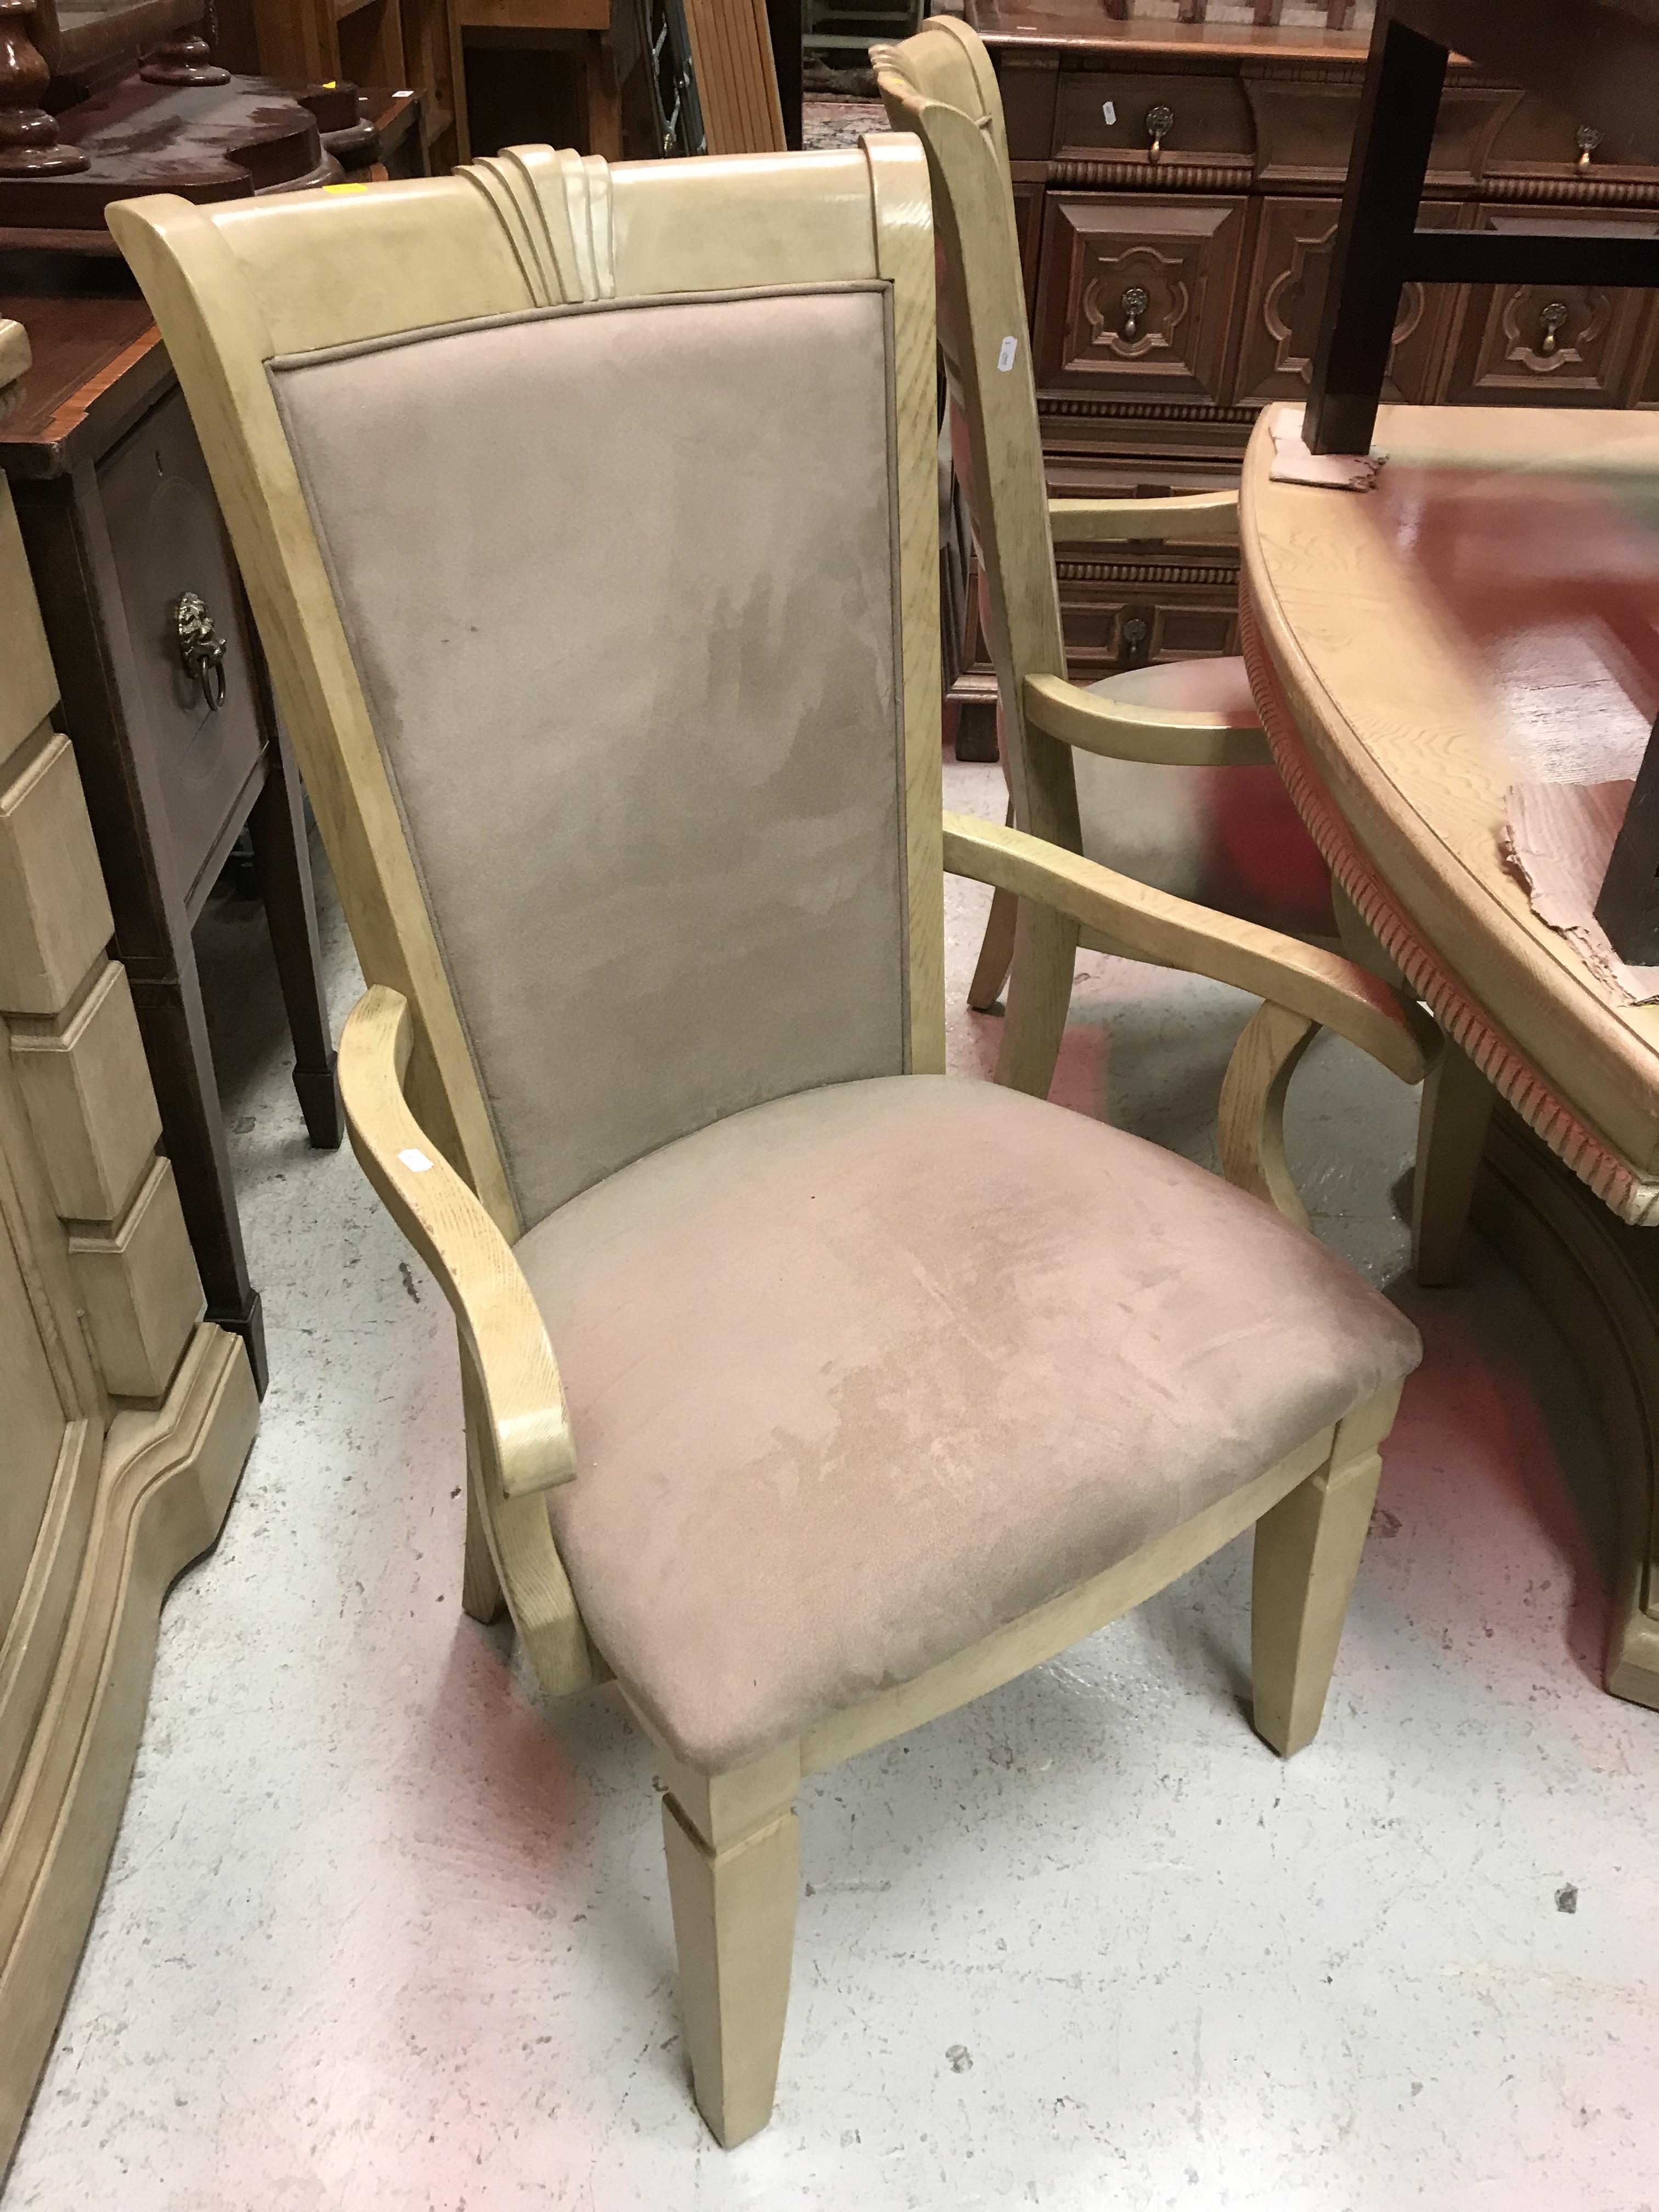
x,y
1201,518
1122,730
473,1262
1319,986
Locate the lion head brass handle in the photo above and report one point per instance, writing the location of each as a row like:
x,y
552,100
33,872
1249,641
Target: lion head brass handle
x,y
1553,318
1588,139
1160,122
1136,304
201,649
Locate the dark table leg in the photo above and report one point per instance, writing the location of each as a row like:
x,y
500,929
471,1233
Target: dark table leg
x,y
173,1024
278,826
1397,116
783,20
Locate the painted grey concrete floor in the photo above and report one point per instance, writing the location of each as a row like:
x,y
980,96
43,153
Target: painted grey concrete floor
x,y
382,1930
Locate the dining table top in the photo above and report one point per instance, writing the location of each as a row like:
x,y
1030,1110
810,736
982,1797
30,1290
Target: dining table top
x,y
1487,615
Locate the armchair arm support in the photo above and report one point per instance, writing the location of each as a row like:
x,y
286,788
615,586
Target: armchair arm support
x,y
1123,730
1321,988
1193,518
473,1262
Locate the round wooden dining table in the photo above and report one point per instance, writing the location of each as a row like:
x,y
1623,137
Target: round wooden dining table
x,y
1485,618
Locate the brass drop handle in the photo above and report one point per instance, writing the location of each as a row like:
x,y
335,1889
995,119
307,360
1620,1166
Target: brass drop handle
x,y
1160,122
1136,631
1553,318
1588,139
1136,304
201,649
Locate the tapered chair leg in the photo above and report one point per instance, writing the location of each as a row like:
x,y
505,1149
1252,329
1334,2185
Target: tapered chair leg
x,y
482,1596
1307,1555
996,954
1039,998
734,1928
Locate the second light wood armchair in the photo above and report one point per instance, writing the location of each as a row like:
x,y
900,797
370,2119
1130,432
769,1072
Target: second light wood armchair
x,y
1161,772
872,1387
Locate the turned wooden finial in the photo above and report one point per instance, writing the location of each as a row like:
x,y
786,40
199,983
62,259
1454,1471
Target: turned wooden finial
x,y
185,59
28,136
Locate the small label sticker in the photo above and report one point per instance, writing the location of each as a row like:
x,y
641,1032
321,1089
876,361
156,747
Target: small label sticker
x,y
1110,113
417,1163
1006,355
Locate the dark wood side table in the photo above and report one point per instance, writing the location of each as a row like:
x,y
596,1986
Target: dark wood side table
x,y
120,524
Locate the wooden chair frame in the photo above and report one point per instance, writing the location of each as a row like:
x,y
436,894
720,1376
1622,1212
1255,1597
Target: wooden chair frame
x,y
986,345
235,286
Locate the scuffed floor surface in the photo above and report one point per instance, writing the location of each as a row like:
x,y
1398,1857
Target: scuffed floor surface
x,y
381,1932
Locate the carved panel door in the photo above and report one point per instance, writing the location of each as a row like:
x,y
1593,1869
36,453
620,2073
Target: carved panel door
x,y
1544,344
1137,295
1286,300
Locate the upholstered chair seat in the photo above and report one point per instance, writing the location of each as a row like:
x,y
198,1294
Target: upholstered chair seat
x,y
844,1450
1229,837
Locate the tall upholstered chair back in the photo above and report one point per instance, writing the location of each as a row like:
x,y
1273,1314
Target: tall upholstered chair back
x,y
623,733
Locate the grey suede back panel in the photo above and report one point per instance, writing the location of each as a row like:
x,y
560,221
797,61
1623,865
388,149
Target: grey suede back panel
x,y
620,583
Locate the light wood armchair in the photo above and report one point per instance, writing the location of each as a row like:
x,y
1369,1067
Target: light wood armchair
x,y
1161,772
630,778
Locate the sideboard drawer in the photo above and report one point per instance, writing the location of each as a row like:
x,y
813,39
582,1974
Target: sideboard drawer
x,y
1539,136
167,538
1120,113
1111,625
1548,344
1137,295
1286,299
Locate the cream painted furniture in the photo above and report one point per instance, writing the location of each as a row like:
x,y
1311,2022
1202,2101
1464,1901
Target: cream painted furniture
x,y
1399,711
873,1388
124,1418
1162,771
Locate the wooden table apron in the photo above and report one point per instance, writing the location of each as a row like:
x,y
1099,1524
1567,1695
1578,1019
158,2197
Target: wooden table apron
x,y
1570,1209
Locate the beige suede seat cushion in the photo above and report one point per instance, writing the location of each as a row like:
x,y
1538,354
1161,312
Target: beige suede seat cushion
x,y
859,1376
1229,837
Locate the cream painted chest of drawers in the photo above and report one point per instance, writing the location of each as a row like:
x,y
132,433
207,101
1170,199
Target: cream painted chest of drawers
x,y
125,1417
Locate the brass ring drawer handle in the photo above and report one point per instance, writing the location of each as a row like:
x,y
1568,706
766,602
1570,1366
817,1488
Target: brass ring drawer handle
x,y
1136,304
1588,139
1160,122
201,649
1553,318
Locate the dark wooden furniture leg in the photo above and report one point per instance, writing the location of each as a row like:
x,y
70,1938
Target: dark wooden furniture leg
x,y
783,19
278,826
173,1023
1397,115
281,862
1628,905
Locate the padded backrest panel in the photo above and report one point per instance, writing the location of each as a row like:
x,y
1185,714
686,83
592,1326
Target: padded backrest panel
x,y
620,584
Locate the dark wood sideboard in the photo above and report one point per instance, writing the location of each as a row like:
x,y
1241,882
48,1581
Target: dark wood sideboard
x,y
1175,289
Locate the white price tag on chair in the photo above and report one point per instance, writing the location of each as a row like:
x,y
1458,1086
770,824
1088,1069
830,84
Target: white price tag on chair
x,y
1006,355
1110,113
417,1163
